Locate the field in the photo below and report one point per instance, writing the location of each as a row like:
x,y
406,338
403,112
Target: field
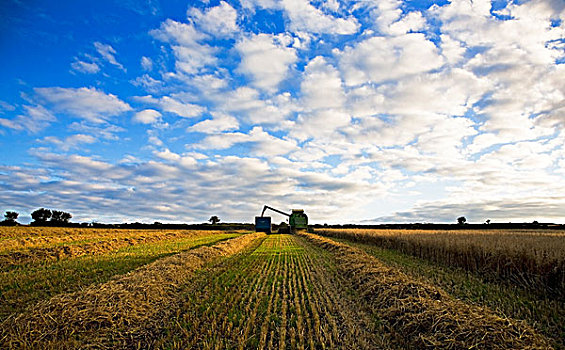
x,y
534,259
236,290
519,273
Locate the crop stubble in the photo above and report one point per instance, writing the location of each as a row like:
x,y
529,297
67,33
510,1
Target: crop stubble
x,y
532,259
103,314
284,294
419,315
275,292
54,243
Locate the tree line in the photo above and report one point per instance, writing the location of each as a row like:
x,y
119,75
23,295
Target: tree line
x,y
40,217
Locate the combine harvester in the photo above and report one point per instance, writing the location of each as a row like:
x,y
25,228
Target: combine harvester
x,y
297,221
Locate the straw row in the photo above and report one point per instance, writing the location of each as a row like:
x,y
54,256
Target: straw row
x,y
533,260
97,247
284,295
420,315
103,314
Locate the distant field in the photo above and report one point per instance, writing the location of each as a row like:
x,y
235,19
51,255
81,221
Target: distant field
x,y
209,290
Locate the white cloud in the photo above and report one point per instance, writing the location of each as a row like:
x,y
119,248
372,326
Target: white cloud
x,y
384,13
6,107
209,82
146,63
411,22
85,103
106,131
33,120
85,67
193,59
266,59
154,140
191,56
173,105
219,123
379,59
185,161
452,50
218,21
322,86
320,124
450,92
263,144
70,142
168,155
249,105
148,83
178,33
305,17
108,53
147,116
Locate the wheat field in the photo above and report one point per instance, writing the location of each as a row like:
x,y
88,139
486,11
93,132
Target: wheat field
x,y
243,290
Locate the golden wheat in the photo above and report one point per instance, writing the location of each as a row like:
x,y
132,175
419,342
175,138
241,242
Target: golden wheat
x,y
534,259
424,316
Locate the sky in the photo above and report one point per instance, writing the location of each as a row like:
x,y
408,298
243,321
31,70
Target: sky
x,y
355,111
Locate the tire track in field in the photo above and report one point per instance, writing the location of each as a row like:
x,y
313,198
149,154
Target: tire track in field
x,y
253,303
284,307
264,330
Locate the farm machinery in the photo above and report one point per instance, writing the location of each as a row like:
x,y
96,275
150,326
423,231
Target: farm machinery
x,y
297,220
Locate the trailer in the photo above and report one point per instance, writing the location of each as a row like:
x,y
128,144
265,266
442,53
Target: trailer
x,y
263,224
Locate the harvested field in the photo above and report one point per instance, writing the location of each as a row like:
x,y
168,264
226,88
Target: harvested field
x,y
422,315
283,294
258,291
533,259
112,309
24,284
547,315
53,243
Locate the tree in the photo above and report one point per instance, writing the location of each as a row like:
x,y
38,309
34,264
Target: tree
x,y
488,221
41,215
11,216
56,216
214,219
461,220
60,216
66,217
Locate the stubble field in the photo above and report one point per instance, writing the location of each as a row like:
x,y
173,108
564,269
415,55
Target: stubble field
x,y
67,288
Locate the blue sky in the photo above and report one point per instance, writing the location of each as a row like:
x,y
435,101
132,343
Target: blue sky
x,y
356,111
